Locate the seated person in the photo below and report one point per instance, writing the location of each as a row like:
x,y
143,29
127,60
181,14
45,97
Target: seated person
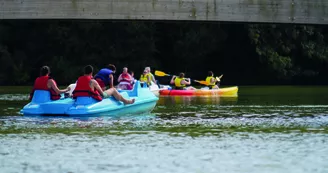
x,y
125,80
151,76
145,78
180,82
132,76
86,86
211,81
45,82
105,77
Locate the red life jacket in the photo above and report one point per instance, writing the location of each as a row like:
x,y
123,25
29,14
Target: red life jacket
x,y
41,83
83,89
125,77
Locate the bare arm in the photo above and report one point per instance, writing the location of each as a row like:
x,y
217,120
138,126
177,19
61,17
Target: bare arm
x,y
94,84
52,84
172,80
111,82
213,80
130,78
119,78
153,78
185,82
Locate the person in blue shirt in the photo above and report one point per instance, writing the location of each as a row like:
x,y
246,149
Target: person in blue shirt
x,y
105,76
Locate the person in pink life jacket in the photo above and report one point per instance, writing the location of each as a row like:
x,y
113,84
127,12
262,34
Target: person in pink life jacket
x,y
125,80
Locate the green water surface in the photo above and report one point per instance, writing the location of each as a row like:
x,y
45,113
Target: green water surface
x,y
264,129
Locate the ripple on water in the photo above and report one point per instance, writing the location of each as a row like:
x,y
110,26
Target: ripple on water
x,y
161,152
198,138
14,97
192,123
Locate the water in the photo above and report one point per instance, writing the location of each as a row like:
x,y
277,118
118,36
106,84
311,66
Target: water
x,y
265,129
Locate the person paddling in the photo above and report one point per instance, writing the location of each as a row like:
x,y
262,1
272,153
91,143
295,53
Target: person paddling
x,y
211,81
181,82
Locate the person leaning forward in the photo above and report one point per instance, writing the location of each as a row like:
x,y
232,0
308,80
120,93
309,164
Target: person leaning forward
x,y
105,76
86,86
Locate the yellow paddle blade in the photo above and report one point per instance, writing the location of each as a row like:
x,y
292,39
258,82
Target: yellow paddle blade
x,y
201,82
160,73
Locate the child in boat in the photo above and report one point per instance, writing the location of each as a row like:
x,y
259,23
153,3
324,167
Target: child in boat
x,y
181,83
145,78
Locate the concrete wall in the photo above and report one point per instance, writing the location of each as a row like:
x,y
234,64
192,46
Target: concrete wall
x,y
277,11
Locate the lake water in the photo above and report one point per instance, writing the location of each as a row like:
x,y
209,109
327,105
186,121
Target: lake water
x,y
278,129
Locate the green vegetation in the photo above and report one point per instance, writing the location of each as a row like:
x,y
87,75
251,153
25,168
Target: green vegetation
x,y
245,53
290,51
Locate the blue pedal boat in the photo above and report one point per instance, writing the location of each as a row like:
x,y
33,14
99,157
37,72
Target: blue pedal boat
x,y
41,104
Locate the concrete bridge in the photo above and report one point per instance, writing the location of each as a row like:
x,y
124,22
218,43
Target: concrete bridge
x,y
273,11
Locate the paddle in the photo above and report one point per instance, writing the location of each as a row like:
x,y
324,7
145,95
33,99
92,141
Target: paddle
x,y
205,83
219,78
201,82
160,73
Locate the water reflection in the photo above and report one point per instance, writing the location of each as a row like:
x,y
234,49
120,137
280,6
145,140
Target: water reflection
x,y
188,100
190,115
192,123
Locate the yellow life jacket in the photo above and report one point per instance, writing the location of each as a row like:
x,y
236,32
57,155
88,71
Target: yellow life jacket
x,y
148,74
208,81
177,82
151,76
143,78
